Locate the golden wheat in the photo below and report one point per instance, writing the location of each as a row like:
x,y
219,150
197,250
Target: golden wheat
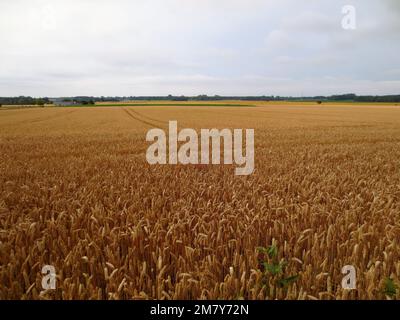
x,y
76,192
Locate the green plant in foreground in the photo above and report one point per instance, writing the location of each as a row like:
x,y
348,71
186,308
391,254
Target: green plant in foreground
x,y
272,267
390,288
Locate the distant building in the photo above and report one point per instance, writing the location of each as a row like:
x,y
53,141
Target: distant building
x,y
60,102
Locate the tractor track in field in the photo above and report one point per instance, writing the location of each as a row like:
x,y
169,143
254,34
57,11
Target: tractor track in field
x,y
135,117
148,120
146,117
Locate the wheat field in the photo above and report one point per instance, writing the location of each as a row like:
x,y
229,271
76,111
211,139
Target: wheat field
x,y
77,193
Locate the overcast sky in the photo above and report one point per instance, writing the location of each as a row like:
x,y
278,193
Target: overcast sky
x,y
190,47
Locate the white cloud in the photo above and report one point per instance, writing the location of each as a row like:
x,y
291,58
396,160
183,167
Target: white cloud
x,y
239,47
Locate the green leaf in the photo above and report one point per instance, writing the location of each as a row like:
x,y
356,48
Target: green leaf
x,y
274,269
287,281
272,251
390,287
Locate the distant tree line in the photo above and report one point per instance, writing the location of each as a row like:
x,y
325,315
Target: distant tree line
x,y
23,101
91,100
26,100
350,97
79,101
